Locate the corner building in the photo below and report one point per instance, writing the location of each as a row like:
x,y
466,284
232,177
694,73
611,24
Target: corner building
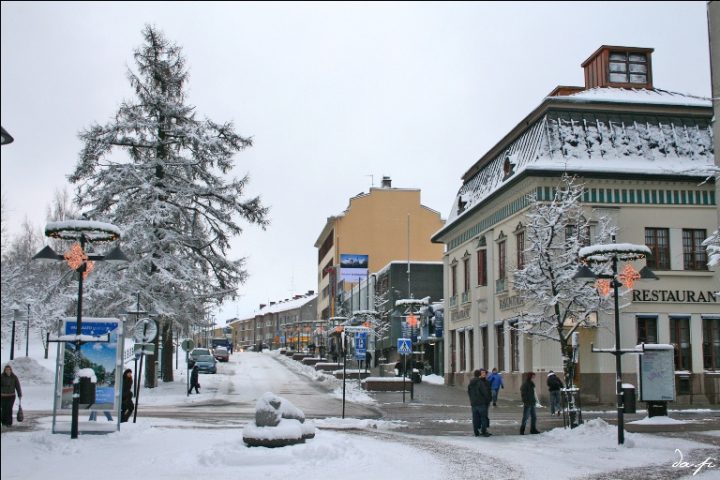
x,y
642,154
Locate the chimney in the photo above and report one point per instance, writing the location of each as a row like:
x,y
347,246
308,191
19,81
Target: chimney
x,y
386,182
310,292
262,305
272,303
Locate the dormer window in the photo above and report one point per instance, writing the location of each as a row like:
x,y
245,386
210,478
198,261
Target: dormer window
x,y
627,67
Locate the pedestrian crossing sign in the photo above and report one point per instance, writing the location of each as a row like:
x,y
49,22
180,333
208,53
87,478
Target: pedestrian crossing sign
x,y
404,346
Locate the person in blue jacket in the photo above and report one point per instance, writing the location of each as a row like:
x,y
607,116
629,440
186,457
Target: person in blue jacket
x,y
496,383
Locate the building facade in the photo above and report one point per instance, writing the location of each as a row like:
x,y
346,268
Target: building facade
x,y
290,322
642,155
381,226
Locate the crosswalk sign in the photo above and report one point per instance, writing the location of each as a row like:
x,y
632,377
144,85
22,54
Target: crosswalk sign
x,y
404,346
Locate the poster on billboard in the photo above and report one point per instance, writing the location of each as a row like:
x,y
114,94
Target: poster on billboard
x,y
102,356
353,267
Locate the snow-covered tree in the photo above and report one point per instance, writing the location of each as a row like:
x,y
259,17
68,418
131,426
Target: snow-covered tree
x,y
556,304
170,193
49,289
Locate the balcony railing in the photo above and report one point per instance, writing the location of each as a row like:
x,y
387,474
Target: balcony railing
x,y
465,298
500,285
453,301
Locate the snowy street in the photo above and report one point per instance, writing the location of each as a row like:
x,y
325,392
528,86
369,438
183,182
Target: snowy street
x,y
427,438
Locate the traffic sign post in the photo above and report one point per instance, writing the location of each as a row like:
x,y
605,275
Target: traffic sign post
x,y
404,348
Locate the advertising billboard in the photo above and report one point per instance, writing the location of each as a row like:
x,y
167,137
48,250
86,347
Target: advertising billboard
x,y
353,267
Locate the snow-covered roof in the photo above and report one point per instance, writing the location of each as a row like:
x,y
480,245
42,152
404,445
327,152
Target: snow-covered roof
x,y
595,139
287,305
636,95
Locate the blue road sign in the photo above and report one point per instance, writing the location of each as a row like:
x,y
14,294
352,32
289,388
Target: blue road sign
x,y
404,346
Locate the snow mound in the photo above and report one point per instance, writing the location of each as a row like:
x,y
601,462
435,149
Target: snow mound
x,y
659,420
30,372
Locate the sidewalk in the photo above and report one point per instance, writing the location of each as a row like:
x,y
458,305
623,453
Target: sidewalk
x,y
445,410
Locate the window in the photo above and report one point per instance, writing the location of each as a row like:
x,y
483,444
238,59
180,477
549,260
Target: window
x,y
466,272
482,267
501,261
471,343
657,240
693,251
711,343
680,338
462,351
520,240
584,236
626,67
500,344
646,330
514,347
484,339
453,279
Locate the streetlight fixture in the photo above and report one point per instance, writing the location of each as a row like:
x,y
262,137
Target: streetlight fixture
x,y
614,252
82,232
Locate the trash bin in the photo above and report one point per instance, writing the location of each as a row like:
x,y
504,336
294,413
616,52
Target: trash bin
x,y
628,398
657,409
416,378
87,391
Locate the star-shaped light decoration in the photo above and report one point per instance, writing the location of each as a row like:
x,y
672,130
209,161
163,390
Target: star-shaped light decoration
x,y
629,275
603,287
75,257
412,320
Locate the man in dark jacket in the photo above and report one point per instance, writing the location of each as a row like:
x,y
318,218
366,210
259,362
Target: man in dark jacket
x,y
480,398
9,384
527,393
194,380
127,394
554,385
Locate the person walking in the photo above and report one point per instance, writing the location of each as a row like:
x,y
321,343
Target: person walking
x,y
9,385
480,398
127,394
527,393
194,380
554,385
496,383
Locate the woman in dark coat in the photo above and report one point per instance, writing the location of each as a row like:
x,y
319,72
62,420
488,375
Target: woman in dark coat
x,y
127,393
194,380
9,384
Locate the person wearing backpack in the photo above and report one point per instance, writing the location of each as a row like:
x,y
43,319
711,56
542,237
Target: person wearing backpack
x,y
554,386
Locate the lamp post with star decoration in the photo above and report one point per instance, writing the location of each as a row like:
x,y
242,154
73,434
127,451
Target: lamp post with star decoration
x,y
612,253
82,232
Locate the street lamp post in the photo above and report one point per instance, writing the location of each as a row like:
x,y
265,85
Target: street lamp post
x,y
27,332
83,232
601,254
15,310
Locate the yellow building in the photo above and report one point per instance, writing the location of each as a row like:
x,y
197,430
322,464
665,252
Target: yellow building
x,y
378,227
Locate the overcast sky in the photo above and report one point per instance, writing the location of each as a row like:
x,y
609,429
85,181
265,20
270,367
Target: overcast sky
x,y
334,95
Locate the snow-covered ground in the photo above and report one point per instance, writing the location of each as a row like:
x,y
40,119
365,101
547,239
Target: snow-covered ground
x,y
349,448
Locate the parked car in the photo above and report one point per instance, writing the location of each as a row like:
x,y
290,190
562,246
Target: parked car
x,y
195,353
206,364
221,354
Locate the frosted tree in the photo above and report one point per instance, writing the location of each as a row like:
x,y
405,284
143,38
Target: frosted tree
x,y
556,304
162,175
48,288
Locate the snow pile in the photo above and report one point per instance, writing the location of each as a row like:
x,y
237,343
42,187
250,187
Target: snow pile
x,y
658,420
30,372
335,423
278,423
433,379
